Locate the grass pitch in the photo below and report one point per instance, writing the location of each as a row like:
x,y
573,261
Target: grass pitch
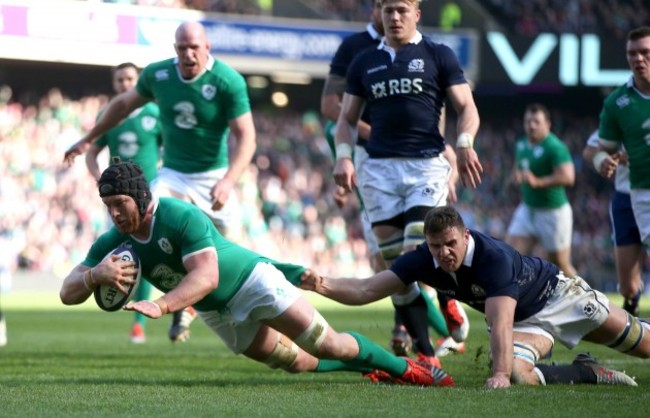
x,y
77,362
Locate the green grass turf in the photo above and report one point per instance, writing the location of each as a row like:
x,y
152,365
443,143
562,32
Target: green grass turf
x,y
77,362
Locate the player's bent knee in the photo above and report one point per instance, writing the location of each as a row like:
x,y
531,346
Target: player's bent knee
x,y
523,368
631,336
522,374
414,234
526,353
284,354
407,296
313,337
391,247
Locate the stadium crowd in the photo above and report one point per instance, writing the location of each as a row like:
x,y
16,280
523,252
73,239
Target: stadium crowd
x,y
347,10
50,214
523,17
531,17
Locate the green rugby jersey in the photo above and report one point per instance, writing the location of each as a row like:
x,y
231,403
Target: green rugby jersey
x,y
194,113
180,229
625,119
138,138
541,159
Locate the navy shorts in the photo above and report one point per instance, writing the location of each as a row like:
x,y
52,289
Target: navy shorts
x,y
624,228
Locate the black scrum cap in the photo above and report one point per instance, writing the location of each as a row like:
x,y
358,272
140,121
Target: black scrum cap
x,y
125,178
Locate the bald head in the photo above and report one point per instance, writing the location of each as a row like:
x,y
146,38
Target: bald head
x,y
193,29
192,48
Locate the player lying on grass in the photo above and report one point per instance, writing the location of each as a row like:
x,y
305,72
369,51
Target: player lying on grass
x,y
528,303
245,298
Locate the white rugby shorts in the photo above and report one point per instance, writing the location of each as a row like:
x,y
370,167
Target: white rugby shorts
x,y
552,227
641,207
391,186
360,157
573,311
198,187
266,294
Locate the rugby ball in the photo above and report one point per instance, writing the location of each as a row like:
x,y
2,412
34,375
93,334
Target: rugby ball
x,y
110,299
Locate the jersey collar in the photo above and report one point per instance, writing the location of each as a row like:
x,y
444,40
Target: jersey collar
x,y
208,66
469,256
384,46
373,32
630,85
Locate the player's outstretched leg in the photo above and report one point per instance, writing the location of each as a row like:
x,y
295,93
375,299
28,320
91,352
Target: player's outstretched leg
x,y
458,325
583,369
631,305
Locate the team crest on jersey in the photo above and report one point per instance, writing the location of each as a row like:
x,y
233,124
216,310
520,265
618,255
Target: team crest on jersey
x,y
538,152
478,290
148,123
623,101
416,66
161,75
208,91
165,245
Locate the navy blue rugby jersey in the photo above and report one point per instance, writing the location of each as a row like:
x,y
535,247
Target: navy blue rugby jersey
x,y
404,94
352,46
490,268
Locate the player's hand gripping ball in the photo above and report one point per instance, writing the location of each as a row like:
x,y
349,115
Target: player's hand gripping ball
x,y
110,299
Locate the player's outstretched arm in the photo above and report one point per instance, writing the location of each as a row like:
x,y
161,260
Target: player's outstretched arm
x,y
350,291
346,133
605,160
116,110
152,309
469,167
243,130
450,155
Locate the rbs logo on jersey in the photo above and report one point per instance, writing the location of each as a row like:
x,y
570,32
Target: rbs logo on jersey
x,y
394,87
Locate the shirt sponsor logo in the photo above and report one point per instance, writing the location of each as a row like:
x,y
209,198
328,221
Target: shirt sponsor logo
x,y
162,75
166,277
395,87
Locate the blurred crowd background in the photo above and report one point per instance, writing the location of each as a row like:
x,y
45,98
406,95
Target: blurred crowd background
x,y
50,214
521,17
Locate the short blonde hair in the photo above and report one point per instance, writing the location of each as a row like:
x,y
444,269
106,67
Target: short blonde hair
x,y
414,3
